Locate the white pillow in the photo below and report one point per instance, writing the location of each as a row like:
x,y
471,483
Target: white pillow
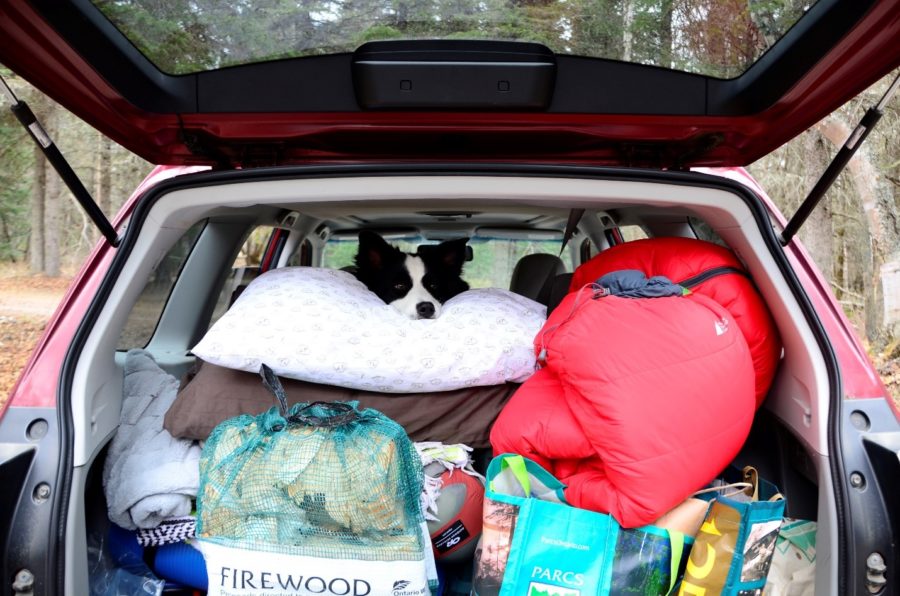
x,y
325,326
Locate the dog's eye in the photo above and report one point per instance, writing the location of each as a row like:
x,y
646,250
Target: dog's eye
x,y
432,286
400,287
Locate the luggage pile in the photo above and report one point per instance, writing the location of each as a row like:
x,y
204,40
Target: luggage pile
x,y
610,436
652,368
339,348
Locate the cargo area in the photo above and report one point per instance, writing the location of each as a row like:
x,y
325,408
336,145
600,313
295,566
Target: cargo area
x,y
191,264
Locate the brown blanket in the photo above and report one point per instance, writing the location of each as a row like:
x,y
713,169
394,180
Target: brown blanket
x,y
210,394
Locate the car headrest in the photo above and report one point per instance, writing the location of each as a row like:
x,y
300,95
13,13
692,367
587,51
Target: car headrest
x,y
559,287
533,275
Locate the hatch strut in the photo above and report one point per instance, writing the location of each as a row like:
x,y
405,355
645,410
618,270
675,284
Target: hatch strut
x,y
24,114
865,126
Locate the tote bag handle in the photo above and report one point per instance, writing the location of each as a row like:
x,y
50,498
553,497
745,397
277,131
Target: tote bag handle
x,y
516,465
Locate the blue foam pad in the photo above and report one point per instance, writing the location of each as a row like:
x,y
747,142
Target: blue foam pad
x,y
181,563
123,547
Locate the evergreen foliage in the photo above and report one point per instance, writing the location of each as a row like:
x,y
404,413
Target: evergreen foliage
x,y
715,37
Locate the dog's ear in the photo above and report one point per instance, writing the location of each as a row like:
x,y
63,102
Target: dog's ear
x,y
452,254
372,250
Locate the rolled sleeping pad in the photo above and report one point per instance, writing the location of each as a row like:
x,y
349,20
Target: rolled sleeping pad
x,y
460,503
181,563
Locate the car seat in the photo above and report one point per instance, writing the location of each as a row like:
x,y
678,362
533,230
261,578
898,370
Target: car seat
x,y
533,275
558,288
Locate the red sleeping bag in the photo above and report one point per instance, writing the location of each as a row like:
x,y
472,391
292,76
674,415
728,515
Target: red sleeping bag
x,y
640,401
716,272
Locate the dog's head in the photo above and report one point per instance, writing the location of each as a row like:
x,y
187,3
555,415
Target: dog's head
x,y
415,284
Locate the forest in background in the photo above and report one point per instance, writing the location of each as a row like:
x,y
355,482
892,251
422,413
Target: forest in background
x,y
854,235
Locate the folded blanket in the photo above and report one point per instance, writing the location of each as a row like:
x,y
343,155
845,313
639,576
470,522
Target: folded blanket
x,y
148,476
170,531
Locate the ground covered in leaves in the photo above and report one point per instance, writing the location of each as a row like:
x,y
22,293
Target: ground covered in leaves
x,y
889,369
26,304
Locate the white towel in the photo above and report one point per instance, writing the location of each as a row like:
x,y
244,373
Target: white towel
x,y
149,475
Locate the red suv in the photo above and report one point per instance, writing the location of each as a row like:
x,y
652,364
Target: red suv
x,y
496,123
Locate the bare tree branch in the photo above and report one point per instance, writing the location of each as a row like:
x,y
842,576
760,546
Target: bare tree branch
x,y
849,216
846,291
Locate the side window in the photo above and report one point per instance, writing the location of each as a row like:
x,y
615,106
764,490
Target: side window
x,y
586,251
703,231
339,252
243,271
630,233
149,306
495,258
302,256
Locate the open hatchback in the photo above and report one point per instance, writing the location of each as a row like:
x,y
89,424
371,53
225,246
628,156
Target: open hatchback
x,y
548,127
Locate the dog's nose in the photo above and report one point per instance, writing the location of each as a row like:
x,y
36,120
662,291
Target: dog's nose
x,y
425,310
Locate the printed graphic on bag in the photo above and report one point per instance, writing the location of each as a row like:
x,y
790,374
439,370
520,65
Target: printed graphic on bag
x,y
642,563
538,589
713,550
496,540
799,537
241,572
758,550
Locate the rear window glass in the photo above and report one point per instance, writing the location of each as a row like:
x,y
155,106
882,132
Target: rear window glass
x,y
491,266
720,38
704,231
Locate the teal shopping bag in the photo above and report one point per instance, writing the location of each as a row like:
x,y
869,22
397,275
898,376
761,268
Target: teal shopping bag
x,y
535,544
736,542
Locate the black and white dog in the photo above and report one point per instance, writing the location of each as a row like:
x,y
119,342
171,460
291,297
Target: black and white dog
x,y
415,284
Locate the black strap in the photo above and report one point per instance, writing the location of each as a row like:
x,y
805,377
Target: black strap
x,y
574,217
273,384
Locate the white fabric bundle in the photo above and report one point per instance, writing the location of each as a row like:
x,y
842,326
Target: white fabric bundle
x,y
325,326
149,476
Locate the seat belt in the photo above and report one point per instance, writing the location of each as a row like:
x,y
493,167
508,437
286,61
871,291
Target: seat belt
x,y
574,217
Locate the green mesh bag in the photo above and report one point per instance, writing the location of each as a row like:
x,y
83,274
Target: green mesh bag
x,y
322,481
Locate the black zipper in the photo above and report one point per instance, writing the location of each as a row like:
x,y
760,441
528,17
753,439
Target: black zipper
x,y
696,280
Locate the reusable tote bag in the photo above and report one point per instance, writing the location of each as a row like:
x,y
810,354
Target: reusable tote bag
x,y
734,547
535,544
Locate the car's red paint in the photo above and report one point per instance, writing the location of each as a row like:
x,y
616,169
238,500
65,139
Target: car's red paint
x,y
33,49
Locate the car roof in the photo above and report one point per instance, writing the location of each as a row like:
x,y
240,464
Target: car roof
x,y
426,99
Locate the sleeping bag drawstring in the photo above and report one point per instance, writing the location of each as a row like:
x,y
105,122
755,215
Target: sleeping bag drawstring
x,y
598,292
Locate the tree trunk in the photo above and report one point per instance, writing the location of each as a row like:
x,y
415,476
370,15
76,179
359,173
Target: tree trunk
x,y
627,33
818,231
52,206
102,182
874,199
52,216
665,36
38,104
36,219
